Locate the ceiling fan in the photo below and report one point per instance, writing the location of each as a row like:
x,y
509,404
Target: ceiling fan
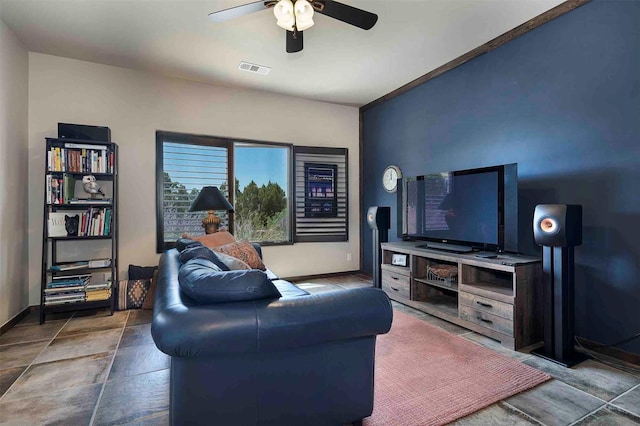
x,y
296,16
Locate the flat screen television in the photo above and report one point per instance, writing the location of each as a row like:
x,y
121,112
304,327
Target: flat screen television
x,y
463,210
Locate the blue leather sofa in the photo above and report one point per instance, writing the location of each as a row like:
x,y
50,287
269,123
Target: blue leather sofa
x,y
298,359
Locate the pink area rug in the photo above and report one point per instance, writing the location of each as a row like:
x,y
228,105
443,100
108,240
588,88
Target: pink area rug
x,y
426,376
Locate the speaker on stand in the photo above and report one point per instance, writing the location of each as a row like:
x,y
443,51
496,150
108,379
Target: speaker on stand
x,y
379,220
558,229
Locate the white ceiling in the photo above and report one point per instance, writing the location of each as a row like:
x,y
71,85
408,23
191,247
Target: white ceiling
x,y
340,63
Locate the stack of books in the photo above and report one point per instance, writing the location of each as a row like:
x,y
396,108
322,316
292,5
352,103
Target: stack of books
x,y
69,289
95,222
98,291
80,158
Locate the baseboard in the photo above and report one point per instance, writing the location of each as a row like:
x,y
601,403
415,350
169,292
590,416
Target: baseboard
x,y
16,319
609,351
318,276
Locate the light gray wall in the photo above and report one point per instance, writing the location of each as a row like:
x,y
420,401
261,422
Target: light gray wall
x,y
14,295
135,104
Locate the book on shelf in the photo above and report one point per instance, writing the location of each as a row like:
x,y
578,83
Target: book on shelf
x,y
68,188
64,289
98,295
85,146
65,295
80,158
70,266
69,281
99,263
67,284
60,301
54,190
73,277
89,201
56,226
98,286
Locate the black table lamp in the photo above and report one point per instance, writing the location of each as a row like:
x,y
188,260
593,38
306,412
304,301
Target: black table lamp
x,y
209,199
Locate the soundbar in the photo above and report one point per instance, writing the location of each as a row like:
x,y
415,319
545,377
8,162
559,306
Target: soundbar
x,y
455,248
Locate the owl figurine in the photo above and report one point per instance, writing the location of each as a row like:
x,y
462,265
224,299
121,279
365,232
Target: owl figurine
x,y
91,187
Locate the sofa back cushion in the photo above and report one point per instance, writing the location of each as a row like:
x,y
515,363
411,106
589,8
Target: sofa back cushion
x,y
204,282
183,243
202,252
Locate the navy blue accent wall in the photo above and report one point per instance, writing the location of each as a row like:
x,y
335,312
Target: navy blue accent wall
x,y
562,101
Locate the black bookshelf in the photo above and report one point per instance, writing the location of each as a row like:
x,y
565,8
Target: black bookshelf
x,y
67,161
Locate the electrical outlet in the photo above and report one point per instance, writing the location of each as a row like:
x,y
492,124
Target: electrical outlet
x,y
348,257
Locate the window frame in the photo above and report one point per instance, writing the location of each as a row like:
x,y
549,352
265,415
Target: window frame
x,y
228,143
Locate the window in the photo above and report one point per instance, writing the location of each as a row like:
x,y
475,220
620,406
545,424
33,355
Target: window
x,y
261,192
184,164
260,173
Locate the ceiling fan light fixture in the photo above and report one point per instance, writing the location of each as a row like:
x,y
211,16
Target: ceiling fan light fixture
x,y
304,14
283,11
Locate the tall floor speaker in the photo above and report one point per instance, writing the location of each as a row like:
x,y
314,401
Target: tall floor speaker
x,y
379,220
558,229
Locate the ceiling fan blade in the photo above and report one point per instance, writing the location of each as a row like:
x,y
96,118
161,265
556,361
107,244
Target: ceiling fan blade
x,y
349,14
237,11
294,42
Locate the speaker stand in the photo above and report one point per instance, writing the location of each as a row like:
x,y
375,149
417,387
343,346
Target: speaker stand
x,y
378,236
558,300
568,361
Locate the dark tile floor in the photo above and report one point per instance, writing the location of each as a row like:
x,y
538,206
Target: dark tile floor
x,y
91,368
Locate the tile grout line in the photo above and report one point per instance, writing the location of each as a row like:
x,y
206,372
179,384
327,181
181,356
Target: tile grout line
x,y
575,422
637,386
106,379
610,405
504,401
613,404
36,357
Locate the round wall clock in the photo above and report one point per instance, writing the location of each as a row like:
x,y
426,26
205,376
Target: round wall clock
x,y
390,178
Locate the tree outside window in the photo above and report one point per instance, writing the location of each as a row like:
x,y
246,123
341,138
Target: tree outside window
x,y
261,184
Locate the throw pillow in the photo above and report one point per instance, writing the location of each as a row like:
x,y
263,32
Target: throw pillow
x,y
216,239
200,280
131,293
231,262
202,252
141,272
244,251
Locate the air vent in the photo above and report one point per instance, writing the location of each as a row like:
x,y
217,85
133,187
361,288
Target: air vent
x,y
258,69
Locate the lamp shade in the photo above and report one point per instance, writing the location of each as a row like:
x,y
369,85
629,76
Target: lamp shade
x,y
283,11
304,14
210,198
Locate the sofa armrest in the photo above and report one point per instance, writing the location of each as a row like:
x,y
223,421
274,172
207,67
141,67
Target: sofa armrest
x,y
324,317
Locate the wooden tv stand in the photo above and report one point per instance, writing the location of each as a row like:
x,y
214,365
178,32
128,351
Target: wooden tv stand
x,y
499,298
